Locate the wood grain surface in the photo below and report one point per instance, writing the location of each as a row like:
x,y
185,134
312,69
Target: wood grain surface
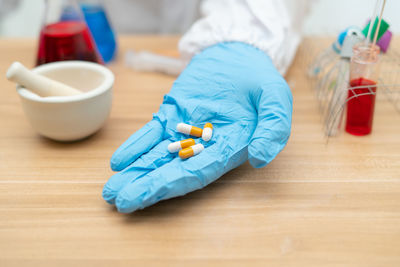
x,y
316,204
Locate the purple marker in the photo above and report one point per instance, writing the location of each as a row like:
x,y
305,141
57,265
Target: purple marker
x,y
384,41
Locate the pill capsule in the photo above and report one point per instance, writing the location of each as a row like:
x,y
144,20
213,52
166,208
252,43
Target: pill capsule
x,y
207,132
176,146
189,129
191,151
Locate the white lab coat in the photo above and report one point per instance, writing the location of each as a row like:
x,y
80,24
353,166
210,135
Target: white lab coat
x,y
265,24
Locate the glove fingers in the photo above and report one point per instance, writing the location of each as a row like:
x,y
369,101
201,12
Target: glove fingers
x,y
274,123
139,143
173,179
148,162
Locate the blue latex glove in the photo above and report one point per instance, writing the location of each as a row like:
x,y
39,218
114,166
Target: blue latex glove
x,y
232,85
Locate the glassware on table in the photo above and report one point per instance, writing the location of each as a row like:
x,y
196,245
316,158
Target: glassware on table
x,y
364,72
100,27
65,35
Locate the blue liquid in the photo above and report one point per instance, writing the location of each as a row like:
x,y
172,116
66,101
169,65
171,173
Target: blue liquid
x,y
100,28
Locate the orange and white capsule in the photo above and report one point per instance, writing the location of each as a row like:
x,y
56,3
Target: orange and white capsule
x,y
207,132
176,146
191,151
189,129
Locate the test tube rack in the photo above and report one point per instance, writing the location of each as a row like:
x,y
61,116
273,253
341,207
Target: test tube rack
x,y
331,83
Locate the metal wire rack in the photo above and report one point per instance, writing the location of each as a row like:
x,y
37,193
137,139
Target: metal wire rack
x,y
330,81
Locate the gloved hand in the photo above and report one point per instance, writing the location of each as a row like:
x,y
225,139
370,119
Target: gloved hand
x,y
232,85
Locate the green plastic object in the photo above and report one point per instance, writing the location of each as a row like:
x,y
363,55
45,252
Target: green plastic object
x,y
382,29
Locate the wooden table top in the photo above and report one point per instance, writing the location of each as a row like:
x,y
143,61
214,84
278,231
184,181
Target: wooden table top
x,y
316,204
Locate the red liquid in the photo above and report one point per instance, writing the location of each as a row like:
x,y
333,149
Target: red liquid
x,y
360,108
67,40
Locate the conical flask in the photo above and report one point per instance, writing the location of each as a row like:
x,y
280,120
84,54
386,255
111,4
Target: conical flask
x,y
100,27
65,35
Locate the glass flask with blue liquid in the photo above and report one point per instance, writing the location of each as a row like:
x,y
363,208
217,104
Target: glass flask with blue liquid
x,y
99,25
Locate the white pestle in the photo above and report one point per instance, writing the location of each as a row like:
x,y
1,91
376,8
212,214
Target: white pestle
x,y
38,84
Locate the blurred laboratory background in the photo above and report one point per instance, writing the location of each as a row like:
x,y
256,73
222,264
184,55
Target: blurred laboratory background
x,y
22,18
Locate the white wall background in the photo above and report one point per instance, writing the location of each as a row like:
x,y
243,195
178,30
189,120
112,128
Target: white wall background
x,y
25,21
327,17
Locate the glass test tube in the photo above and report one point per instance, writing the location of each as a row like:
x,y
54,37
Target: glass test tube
x,y
364,72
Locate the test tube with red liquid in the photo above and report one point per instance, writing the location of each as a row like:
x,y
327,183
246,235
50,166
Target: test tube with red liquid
x,y
65,35
364,71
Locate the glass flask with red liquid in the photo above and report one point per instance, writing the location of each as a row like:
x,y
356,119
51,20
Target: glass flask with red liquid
x,y
65,35
364,72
